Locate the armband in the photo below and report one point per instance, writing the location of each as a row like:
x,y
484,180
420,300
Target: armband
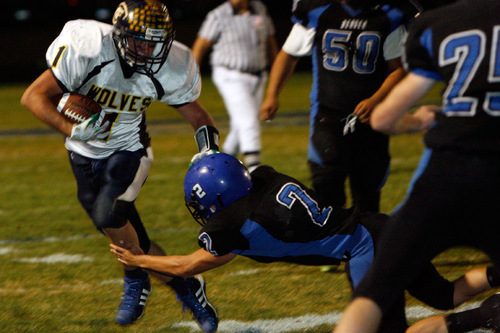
x,y
207,138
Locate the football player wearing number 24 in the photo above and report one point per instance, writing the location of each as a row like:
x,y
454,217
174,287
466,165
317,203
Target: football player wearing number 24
x,y
124,67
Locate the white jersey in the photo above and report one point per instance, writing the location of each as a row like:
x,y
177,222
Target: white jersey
x,y
83,59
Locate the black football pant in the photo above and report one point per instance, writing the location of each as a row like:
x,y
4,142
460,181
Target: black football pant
x,y
453,201
362,155
100,182
429,287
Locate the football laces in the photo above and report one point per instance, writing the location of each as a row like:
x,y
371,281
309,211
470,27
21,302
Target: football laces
x,y
74,115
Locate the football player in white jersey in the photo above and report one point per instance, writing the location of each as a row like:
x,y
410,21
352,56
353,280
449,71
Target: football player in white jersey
x,y
124,67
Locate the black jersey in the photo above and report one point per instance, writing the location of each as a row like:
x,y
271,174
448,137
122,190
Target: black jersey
x,y
463,50
347,56
283,220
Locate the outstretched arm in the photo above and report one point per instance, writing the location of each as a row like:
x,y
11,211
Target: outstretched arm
x,y
182,266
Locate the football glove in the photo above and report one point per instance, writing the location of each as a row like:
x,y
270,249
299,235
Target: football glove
x,y
202,154
350,123
90,129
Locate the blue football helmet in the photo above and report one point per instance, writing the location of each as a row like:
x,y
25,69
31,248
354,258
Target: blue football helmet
x,y
215,182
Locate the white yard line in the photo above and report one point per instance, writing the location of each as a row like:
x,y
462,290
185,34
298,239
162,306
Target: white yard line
x,y
4,242
308,321
48,239
57,258
282,325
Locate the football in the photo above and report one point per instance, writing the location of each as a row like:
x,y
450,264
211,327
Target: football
x,y
76,107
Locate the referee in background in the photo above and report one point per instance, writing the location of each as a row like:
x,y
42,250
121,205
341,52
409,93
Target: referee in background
x,y
241,33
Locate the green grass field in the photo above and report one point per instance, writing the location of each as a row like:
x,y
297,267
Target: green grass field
x,y
57,273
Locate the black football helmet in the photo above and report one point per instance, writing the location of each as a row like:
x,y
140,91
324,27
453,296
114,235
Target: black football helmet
x,y
143,34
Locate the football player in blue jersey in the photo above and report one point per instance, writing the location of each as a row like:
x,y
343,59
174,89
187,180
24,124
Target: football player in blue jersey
x,y
453,197
356,59
268,217
124,67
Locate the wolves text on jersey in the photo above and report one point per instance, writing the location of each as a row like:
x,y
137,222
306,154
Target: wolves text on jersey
x,y
118,101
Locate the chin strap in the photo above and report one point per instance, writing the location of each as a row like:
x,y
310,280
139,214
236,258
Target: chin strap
x,y
207,138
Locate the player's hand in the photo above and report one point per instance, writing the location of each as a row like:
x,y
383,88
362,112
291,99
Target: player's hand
x,y
427,115
202,154
126,256
268,108
364,109
90,129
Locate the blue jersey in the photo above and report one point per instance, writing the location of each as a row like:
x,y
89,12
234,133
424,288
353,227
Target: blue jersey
x,y
349,54
283,220
463,51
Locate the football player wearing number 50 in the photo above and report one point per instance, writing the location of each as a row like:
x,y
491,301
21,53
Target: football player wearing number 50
x,y
268,216
124,67
355,52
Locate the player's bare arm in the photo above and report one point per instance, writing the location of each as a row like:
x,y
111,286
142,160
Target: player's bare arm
x,y
196,115
200,48
271,48
282,69
40,98
37,99
182,266
391,117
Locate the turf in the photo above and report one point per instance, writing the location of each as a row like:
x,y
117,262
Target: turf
x,y
58,276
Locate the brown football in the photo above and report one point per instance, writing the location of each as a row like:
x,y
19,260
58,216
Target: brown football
x,y
76,107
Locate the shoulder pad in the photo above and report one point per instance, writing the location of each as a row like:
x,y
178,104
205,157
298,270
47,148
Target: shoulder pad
x,y
86,36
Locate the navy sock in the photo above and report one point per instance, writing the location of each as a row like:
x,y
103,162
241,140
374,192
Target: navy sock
x,y
179,285
465,321
137,273
486,316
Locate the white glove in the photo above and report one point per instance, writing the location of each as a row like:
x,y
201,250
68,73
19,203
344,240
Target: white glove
x,y
202,154
90,129
350,123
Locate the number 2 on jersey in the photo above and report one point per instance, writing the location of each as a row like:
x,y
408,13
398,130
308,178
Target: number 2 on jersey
x,y
291,192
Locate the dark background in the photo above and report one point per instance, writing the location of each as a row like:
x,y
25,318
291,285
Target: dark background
x,y
23,43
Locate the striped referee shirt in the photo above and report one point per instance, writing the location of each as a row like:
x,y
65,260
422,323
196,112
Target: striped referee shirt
x,y
239,40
